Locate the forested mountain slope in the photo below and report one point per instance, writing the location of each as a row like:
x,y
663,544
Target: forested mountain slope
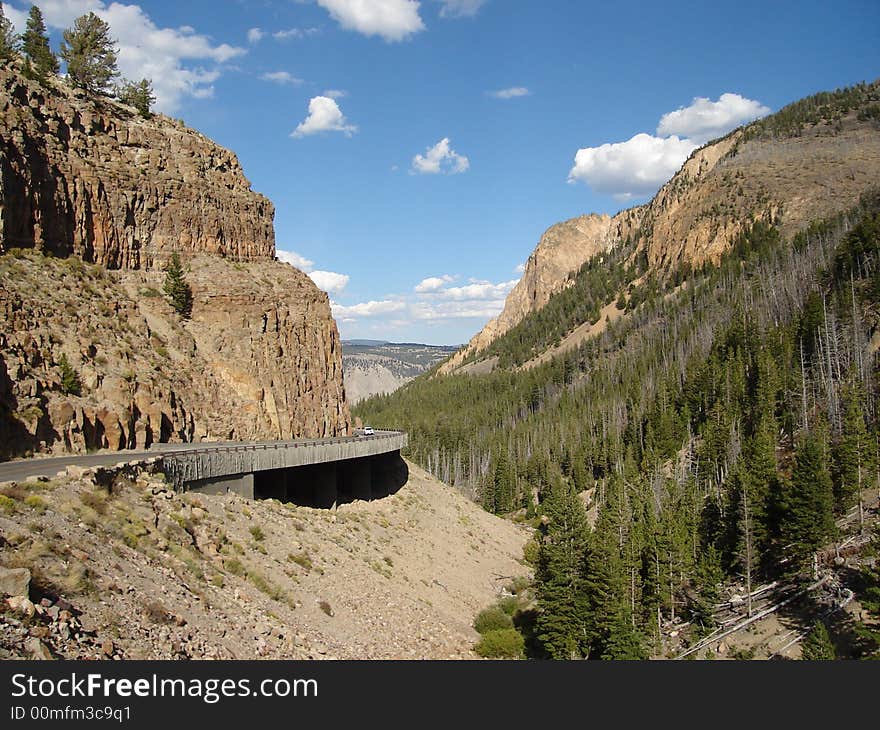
x,y
716,428
809,160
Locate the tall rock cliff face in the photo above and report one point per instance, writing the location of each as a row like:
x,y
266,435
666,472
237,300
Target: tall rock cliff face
x,y
96,180
698,214
93,200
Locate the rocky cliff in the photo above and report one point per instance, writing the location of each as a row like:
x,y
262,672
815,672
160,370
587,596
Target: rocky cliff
x,y
94,179
94,199
794,178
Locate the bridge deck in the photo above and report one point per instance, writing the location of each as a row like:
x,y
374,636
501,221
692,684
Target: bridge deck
x,y
186,463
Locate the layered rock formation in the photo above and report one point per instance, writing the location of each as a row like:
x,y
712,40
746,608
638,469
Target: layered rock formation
x,y
96,180
84,182
699,213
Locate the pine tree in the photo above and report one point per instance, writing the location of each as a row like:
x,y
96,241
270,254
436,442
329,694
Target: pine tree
x,y
139,95
848,454
817,645
563,609
70,382
808,522
9,41
35,45
624,641
90,53
176,287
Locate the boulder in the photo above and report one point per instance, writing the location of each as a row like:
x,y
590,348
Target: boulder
x,y
14,581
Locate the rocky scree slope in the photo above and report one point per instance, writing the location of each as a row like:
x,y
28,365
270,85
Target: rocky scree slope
x,y
792,173
127,568
94,199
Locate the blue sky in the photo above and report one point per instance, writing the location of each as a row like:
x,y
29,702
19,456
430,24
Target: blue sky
x,y
415,152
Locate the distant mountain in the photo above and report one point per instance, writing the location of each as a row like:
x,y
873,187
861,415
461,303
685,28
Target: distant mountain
x,y
371,367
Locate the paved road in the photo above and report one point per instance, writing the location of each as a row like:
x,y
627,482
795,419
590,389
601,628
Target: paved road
x,y
16,471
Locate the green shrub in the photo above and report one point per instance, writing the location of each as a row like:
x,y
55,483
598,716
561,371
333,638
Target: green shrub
x,y
492,619
36,503
301,559
257,533
7,504
234,566
501,644
509,604
532,553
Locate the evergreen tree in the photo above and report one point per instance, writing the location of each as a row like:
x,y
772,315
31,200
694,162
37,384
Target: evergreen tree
x,y
624,641
817,645
563,608
70,382
139,95
848,454
35,45
176,287
90,53
809,519
708,579
9,41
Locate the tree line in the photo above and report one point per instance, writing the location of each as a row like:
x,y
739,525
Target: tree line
x,y
88,51
720,429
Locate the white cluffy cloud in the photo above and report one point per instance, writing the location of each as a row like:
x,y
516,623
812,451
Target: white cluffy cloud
x,y
163,55
432,300
479,299
433,283
324,116
633,168
440,159
366,309
393,20
638,167
329,281
281,77
460,8
705,119
255,35
511,93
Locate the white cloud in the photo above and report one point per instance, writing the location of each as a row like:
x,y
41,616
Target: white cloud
x,y
440,158
335,93
148,51
511,93
366,309
456,310
638,167
478,291
393,20
17,17
705,119
284,35
633,168
460,8
330,281
294,259
255,35
324,116
433,283
281,77
519,269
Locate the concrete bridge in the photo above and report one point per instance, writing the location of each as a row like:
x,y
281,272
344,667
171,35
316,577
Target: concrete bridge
x,y
312,472
317,473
